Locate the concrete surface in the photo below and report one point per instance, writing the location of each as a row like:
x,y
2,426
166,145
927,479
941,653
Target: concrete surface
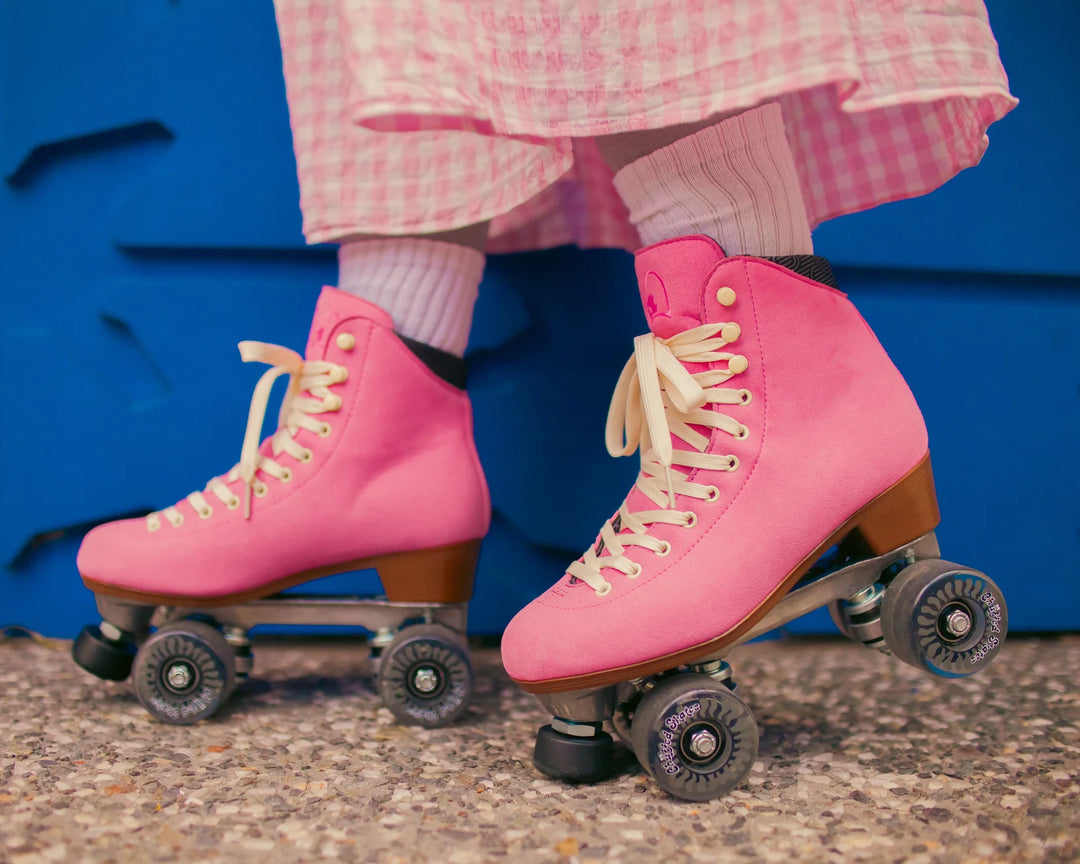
x,y
862,759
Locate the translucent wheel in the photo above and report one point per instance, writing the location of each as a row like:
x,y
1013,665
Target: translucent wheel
x,y
695,737
183,672
425,677
100,656
947,619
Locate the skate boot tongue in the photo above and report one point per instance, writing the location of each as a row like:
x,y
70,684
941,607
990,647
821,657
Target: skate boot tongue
x,y
671,276
310,377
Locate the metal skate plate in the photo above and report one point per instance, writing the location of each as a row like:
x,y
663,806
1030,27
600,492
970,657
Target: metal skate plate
x,y
581,706
597,704
839,584
131,619
321,610
373,614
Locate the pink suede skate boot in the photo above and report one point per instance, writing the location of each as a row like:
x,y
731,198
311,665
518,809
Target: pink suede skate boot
x,y
772,425
373,466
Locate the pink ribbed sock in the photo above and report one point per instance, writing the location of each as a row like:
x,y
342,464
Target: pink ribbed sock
x,y
735,182
428,287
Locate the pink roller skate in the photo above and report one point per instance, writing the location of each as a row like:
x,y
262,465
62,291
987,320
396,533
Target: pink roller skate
x,y
784,467
373,466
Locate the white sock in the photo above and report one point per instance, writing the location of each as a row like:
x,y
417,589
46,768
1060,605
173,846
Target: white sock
x,y
735,182
428,287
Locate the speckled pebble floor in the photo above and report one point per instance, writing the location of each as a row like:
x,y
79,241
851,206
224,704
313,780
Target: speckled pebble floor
x,y
862,759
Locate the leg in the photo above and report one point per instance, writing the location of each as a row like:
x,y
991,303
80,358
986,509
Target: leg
x,y
621,149
372,466
428,283
772,425
731,179
835,424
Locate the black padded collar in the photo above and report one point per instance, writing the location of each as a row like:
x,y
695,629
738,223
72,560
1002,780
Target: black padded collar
x,y
811,266
451,369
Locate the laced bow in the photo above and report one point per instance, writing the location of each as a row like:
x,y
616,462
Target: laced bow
x,y
313,377
656,398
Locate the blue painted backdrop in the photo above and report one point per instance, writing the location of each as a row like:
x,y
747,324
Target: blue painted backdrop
x,y
149,220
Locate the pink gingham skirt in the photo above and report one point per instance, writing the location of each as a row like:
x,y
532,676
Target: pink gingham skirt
x,y
414,116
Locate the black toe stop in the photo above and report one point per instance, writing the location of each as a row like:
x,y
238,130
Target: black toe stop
x,y
573,759
100,656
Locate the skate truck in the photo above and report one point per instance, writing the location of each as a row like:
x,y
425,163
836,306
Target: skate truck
x,y
194,658
693,733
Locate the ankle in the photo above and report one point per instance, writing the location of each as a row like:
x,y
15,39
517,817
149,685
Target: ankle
x,y
734,181
428,287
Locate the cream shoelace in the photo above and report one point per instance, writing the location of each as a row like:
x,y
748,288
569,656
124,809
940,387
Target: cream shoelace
x,y
655,398
315,377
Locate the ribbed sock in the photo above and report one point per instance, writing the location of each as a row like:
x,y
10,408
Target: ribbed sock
x,y
735,182
428,287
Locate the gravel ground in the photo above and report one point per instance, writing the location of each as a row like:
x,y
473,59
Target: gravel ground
x,y
862,759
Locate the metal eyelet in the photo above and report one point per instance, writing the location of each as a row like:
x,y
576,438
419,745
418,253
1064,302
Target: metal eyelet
x,y
603,590
712,494
260,490
177,520
738,364
346,341
324,430
153,524
742,434
745,397
635,571
733,463
306,456
232,503
725,296
206,512
664,550
691,519
286,476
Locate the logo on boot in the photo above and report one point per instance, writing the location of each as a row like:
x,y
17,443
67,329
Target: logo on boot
x,y
655,294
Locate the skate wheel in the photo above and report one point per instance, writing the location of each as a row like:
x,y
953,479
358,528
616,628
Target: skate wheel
x,y
573,759
425,677
944,618
100,656
695,737
183,672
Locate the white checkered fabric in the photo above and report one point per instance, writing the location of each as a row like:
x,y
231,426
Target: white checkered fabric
x,y
413,116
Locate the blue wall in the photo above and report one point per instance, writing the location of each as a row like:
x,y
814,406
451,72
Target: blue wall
x,y
149,221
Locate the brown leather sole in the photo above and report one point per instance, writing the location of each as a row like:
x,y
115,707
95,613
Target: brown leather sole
x,y
441,575
900,514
